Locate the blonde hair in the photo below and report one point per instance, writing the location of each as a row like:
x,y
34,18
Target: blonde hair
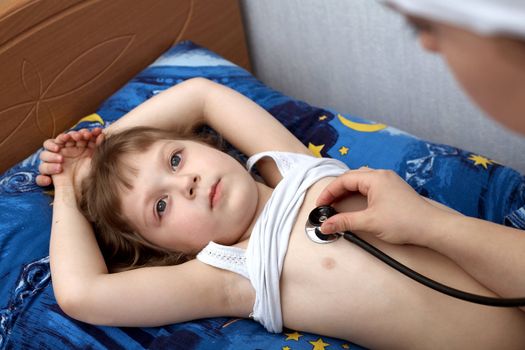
x,y
120,242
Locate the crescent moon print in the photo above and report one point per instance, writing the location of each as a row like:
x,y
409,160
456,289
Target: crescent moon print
x,y
360,126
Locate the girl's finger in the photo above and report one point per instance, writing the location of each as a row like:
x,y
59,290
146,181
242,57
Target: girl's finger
x,y
70,143
96,131
92,144
85,133
100,139
51,157
43,180
81,143
49,168
51,145
62,139
75,135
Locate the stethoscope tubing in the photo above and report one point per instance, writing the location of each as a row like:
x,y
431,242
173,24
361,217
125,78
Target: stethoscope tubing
x,y
473,298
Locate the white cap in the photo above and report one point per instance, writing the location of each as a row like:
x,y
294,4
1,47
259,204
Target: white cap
x,y
486,17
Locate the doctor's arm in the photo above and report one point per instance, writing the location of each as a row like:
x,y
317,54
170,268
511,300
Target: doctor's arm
x,y
493,254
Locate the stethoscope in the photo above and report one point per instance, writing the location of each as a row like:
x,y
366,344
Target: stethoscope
x,y
321,214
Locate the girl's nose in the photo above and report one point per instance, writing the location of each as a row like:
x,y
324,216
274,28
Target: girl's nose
x,y
188,185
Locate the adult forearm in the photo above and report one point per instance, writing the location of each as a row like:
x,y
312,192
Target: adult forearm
x,y
493,254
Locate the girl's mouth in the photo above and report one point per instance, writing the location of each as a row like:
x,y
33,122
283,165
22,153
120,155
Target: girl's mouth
x,y
215,194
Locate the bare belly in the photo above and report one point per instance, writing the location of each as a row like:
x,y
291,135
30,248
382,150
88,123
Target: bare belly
x,y
339,290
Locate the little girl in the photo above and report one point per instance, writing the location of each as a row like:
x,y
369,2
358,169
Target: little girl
x,y
168,198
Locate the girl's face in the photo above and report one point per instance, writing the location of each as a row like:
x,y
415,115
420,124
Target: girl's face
x,y
491,70
186,194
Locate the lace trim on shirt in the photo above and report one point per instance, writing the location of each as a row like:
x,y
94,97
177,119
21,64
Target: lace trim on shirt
x,y
283,160
224,257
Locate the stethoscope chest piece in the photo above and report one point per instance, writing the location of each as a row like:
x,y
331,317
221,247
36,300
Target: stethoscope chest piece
x,y
315,220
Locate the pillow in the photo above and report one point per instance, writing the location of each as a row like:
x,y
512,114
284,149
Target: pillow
x,y
468,182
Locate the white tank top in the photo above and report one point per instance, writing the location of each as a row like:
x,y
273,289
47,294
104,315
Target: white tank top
x,y
262,261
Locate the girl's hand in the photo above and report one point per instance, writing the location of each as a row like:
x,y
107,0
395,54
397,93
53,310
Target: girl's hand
x,y
51,157
76,160
395,212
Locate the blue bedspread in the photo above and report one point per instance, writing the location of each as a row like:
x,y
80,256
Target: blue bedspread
x,y
29,315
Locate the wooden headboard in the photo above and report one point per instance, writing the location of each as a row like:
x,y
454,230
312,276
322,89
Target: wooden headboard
x,y
59,59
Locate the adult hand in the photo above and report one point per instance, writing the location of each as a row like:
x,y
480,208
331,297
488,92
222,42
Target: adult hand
x,y
51,157
395,212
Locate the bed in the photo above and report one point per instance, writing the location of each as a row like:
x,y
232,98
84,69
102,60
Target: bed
x,y
75,64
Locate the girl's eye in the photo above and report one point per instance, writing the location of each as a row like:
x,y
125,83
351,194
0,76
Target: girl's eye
x,y
160,207
175,160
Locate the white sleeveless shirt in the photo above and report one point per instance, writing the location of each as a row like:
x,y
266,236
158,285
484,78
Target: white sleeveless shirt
x,y
262,261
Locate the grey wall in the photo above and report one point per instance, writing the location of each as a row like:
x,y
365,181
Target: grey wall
x,y
360,58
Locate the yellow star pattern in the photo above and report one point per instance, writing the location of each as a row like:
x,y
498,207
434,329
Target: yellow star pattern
x,y
286,348
319,344
480,160
316,150
293,336
343,150
345,346
323,117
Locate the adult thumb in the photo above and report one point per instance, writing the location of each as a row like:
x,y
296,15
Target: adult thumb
x,y
349,221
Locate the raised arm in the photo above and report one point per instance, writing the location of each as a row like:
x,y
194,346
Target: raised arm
x,y
242,122
200,101
84,289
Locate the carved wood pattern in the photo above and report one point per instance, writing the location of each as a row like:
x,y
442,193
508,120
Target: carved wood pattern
x,y
60,59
